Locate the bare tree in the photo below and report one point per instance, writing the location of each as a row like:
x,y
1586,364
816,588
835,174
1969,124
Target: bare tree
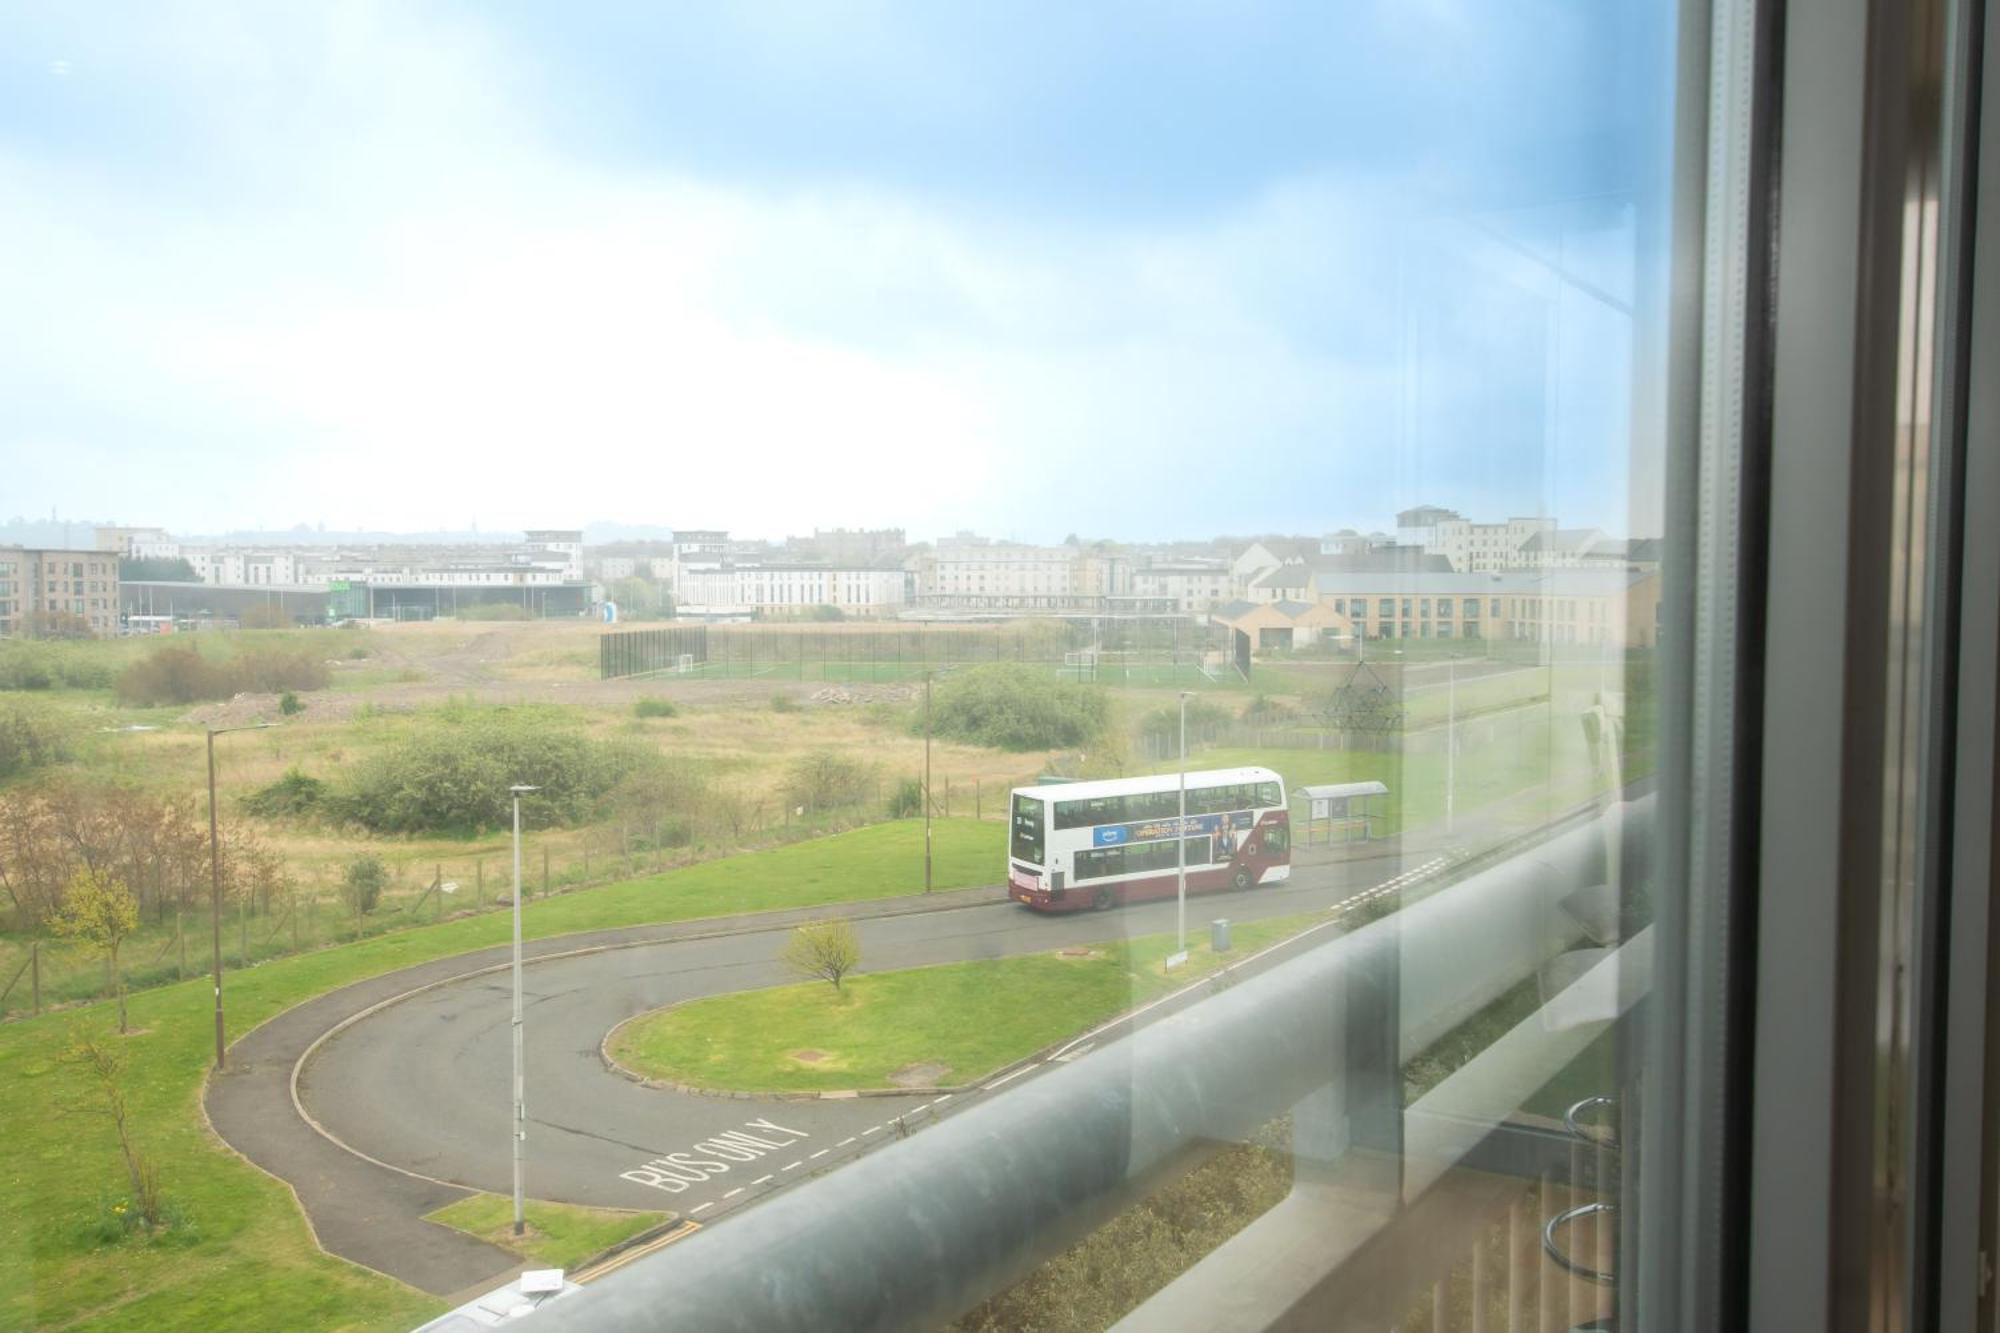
x,y
100,911
823,951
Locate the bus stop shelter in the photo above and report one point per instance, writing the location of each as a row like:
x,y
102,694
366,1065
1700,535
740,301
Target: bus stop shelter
x,y
1341,811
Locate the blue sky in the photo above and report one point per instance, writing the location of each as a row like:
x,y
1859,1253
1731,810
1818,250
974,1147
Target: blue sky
x,y
1128,270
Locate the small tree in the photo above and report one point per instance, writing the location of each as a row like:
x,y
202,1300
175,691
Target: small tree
x,y
362,884
99,911
104,1065
823,951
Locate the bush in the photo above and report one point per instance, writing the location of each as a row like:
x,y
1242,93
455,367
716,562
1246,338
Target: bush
x,y
493,611
1014,707
265,617
784,703
654,706
293,795
907,800
827,779
30,738
452,772
363,882
289,704
1267,711
1163,725
173,674
30,665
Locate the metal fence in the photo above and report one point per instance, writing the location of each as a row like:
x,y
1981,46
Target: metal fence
x,y
1135,650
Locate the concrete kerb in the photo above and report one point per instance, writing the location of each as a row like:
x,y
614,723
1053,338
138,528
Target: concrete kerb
x,y
1164,1003
997,894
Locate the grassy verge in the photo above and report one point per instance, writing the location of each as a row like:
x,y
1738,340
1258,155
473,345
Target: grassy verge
x,y
559,1235
964,1019
245,1257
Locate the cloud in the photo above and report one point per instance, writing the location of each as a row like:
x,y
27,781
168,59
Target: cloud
x,y
365,275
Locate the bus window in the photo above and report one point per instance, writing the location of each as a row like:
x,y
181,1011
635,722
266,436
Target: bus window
x,y
1027,841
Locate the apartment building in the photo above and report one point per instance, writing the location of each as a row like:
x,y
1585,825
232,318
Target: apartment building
x,y
781,589
59,583
1610,608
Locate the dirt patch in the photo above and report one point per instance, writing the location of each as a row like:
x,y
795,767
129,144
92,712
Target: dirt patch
x,y
1079,953
809,1057
920,1075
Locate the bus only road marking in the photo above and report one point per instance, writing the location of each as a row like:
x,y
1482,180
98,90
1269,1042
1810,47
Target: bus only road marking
x,y
713,1156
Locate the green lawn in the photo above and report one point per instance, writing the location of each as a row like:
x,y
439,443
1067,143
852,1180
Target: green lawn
x,y
971,1018
248,1260
559,1235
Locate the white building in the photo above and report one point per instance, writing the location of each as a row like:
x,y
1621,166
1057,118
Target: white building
x,y
1472,548
1189,585
974,574
788,589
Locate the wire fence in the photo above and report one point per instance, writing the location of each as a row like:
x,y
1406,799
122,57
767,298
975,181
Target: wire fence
x,y
41,972
1154,650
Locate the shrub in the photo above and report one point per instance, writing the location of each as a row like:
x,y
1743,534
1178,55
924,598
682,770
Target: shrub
x,y
265,617
362,883
654,706
493,611
784,703
289,704
1163,725
907,799
452,772
173,674
356,653
825,779
30,738
31,665
1014,707
291,795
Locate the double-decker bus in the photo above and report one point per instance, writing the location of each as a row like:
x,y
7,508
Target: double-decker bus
x,y
1099,844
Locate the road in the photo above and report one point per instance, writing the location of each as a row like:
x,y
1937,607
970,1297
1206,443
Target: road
x,y
423,1084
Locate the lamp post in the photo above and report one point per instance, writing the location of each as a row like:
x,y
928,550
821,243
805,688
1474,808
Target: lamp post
x,y
1180,841
520,1100
927,782
1450,743
215,883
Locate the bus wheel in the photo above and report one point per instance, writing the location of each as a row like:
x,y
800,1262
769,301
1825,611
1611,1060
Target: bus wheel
x,y
1102,901
1241,879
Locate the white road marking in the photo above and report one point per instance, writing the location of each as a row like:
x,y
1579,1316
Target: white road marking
x,y
872,1129
762,1180
791,1166
701,1207
821,1153
843,1143
1006,1077
733,1193
937,1100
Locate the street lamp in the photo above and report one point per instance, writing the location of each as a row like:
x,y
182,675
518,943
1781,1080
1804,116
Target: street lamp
x,y
215,882
1180,840
927,782
520,1100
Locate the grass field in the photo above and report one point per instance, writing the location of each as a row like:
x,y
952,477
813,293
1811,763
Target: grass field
x,y
559,1235
965,1019
247,1259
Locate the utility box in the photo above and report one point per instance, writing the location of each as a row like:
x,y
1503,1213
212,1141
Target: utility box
x,y
1218,934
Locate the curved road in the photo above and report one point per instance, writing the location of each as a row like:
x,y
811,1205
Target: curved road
x,y
408,1097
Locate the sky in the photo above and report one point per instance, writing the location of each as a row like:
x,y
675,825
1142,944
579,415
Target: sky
x,y
1127,270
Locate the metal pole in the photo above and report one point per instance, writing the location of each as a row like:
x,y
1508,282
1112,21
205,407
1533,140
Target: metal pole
x,y
927,782
520,1104
215,900
1450,743
1180,835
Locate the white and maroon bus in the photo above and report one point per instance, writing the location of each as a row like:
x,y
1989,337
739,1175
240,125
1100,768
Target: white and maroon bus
x,y
1098,844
